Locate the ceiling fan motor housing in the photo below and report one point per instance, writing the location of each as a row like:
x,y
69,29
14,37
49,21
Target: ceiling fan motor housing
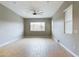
x,y
34,13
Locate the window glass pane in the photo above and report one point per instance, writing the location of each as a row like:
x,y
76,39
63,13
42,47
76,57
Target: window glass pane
x,y
37,26
68,20
68,14
68,27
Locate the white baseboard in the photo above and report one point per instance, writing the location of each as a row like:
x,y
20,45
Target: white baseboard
x,y
66,48
69,50
8,42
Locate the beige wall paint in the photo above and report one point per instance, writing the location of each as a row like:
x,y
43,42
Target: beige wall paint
x,y
71,41
11,25
27,31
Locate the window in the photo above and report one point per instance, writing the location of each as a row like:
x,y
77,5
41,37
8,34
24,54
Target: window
x,y
37,26
68,20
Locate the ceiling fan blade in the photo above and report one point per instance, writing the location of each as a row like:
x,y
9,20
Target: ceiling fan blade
x,y
32,9
39,13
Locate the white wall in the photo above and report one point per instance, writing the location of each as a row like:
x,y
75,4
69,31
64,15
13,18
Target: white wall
x,y
70,41
11,25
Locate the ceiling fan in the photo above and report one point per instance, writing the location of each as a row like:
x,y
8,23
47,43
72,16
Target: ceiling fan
x,y
36,12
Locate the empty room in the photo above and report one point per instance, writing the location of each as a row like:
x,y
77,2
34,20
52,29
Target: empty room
x,y
39,28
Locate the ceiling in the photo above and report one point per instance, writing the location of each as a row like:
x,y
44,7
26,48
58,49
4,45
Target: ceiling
x,y
24,8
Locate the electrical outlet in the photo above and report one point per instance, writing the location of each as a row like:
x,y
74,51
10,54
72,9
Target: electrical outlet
x,y
58,40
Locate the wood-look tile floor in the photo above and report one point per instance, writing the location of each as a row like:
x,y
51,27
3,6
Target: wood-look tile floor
x,y
34,47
